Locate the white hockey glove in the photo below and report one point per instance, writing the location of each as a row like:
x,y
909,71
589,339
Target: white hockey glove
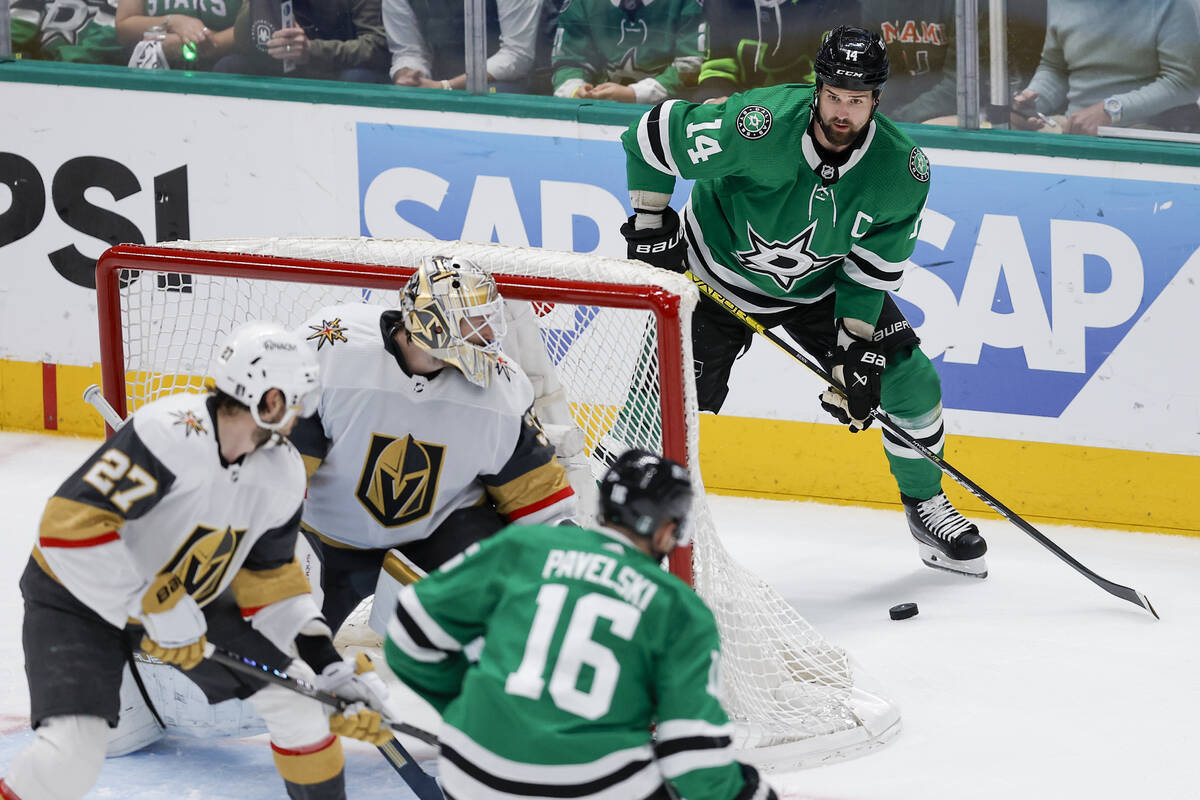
x,y
357,680
175,625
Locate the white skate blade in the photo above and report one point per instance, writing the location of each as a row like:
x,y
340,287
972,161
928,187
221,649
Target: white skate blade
x,y
974,568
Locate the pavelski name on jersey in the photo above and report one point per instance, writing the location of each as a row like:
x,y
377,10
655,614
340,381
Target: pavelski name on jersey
x,y
768,222
598,568
391,455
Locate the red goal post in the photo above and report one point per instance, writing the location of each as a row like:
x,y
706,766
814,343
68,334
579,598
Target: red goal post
x,y
618,335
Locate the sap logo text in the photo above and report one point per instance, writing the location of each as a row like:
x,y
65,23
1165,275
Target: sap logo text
x,y
1001,262
71,197
493,213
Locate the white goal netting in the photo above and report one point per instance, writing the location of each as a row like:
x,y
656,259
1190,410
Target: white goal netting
x,y
618,336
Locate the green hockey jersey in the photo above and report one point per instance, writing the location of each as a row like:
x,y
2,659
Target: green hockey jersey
x,y
768,223
80,31
587,644
597,41
216,14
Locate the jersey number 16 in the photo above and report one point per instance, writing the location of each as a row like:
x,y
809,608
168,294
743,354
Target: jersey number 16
x,y
577,650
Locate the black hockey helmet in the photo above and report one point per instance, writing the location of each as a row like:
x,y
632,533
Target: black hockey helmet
x,y
641,491
852,58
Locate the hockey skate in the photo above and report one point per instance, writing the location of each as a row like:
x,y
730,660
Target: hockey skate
x,y
945,538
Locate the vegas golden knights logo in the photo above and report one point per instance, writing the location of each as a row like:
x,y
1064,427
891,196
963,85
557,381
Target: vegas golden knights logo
x,y
400,479
202,561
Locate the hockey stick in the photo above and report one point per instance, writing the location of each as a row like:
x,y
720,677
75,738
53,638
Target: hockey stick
x,y
1115,589
422,784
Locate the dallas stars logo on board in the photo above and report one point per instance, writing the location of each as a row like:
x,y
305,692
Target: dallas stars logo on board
x,y
783,262
190,422
328,332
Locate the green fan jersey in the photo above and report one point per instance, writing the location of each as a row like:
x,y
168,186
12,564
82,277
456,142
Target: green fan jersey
x,y
587,644
769,224
597,41
217,15
80,31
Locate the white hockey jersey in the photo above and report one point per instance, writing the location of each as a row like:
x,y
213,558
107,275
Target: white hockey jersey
x,y
157,497
391,454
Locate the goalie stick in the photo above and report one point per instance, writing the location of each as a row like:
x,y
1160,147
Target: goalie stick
x,y
422,784
1115,589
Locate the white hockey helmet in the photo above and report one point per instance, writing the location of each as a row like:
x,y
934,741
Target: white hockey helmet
x,y
453,310
260,356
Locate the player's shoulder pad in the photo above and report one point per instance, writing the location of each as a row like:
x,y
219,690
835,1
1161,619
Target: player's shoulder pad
x,y
898,148
335,329
178,431
755,113
509,393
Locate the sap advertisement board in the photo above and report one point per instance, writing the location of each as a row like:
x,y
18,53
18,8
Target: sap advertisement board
x,y
1026,288
1055,295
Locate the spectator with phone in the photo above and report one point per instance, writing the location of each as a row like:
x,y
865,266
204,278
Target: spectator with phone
x,y
340,40
1100,68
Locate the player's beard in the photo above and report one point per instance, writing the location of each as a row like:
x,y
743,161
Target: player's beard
x,y
833,135
261,436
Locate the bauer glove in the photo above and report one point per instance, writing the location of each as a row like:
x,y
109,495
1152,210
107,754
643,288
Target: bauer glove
x,y
857,369
357,681
175,625
661,247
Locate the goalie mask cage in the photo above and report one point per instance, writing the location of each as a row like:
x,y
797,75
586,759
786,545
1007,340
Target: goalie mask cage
x,y
618,335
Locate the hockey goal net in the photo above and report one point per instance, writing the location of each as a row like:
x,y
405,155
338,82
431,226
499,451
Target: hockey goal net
x,y
618,336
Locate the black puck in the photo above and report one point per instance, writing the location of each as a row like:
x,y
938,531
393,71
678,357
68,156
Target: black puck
x,y
903,611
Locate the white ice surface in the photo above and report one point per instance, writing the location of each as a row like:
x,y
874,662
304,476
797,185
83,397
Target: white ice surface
x,y
1031,684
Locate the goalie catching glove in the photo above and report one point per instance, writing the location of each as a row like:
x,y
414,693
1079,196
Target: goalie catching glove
x,y
659,245
857,368
175,625
357,681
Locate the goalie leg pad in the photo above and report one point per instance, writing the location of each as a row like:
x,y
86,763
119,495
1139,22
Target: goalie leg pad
x,y
397,572
137,727
63,760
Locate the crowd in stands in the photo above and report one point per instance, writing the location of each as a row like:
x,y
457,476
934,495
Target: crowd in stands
x,y
1074,65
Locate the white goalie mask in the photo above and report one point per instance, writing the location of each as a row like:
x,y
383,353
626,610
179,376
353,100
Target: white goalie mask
x,y
260,356
453,310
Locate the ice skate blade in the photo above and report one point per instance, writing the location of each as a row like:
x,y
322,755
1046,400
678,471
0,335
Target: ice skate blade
x,y
974,568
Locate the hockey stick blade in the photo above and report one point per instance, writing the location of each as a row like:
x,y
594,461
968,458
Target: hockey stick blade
x,y
423,785
1115,589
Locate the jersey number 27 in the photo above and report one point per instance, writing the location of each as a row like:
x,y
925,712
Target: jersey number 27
x,y
577,650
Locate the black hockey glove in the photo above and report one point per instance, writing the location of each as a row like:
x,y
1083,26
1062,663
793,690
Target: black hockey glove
x,y
857,368
659,247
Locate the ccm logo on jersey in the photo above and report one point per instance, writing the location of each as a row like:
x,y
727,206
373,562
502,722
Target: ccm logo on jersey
x,y
660,247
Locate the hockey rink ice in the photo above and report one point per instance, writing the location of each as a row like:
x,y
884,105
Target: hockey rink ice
x,y
1033,683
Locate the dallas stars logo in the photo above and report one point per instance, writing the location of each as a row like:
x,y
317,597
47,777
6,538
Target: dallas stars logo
x,y
328,332
783,262
754,122
626,67
190,422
